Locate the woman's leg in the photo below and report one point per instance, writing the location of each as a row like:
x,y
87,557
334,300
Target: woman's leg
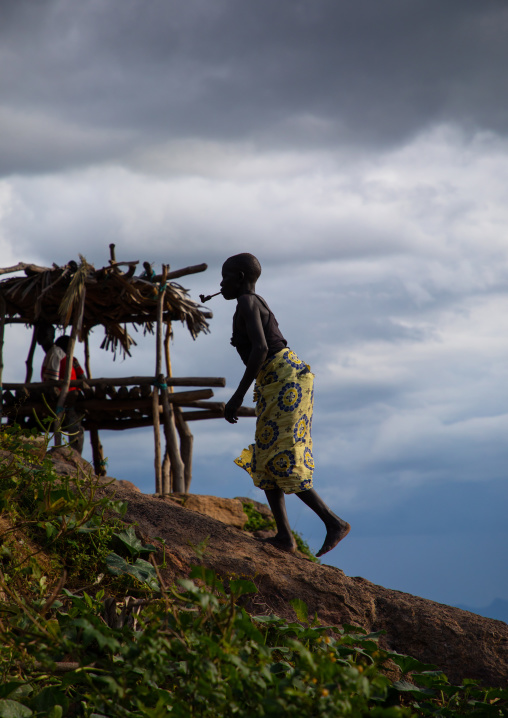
x,y
284,539
336,528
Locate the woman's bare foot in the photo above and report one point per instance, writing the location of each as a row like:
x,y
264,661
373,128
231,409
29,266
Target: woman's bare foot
x,y
286,545
334,534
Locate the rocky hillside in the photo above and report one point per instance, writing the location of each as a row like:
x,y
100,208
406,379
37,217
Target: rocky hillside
x,y
463,644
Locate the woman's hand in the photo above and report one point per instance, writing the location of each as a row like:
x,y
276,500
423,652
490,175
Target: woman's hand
x,y
231,408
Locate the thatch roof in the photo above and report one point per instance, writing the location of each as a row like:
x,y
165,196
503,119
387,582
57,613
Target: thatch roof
x,y
113,298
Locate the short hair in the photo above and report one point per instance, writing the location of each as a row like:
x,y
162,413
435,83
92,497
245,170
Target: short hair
x,y
247,263
63,342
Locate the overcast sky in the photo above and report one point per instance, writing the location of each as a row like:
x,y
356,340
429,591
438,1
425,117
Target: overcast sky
x,y
360,150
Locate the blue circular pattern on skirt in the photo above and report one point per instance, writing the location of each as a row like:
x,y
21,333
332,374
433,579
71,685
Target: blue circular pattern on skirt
x,y
270,378
268,435
266,484
290,396
308,459
293,360
282,463
305,484
260,405
300,430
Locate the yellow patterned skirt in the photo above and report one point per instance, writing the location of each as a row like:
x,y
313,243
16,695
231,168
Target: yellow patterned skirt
x,y
281,456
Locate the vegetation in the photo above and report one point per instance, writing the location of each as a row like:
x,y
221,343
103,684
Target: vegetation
x,y
256,520
115,641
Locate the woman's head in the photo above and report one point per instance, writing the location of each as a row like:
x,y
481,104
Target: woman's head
x,y
239,275
246,263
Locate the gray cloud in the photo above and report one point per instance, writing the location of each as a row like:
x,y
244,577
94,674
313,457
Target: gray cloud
x,y
281,74
360,150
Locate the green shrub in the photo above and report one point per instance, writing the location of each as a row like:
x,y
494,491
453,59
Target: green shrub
x,y
256,520
186,651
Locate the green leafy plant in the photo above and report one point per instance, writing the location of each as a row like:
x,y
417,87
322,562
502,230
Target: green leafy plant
x,y
67,516
256,520
304,548
189,649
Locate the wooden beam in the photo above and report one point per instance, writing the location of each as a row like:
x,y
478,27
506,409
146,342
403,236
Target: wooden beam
x,y
127,319
22,265
140,404
124,381
144,422
193,269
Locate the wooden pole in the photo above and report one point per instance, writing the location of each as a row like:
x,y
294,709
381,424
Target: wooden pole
x,y
22,265
167,355
88,371
172,448
186,446
173,451
121,424
184,433
99,464
2,328
177,273
157,440
166,467
186,398
30,357
159,489
125,381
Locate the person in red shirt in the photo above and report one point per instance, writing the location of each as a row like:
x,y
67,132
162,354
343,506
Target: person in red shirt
x,y
76,371
53,369
73,416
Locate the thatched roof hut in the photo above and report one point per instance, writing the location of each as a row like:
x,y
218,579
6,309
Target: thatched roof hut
x,y
78,296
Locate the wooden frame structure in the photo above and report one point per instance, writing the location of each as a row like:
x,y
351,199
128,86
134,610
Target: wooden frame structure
x,y
78,296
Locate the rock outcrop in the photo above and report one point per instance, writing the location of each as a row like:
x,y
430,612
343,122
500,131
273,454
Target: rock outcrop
x,y
228,511
462,644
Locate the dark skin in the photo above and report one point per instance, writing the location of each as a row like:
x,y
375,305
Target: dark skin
x,y
237,284
46,337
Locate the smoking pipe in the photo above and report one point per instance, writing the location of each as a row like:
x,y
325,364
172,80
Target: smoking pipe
x,y
204,299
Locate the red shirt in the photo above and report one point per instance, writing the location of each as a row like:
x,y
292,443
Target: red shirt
x,y
76,371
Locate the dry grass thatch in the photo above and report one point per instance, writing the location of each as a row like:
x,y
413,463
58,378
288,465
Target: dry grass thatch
x,y
113,298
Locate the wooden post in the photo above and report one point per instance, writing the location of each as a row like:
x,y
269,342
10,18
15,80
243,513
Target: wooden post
x,y
99,464
168,474
159,489
157,440
172,442
167,486
88,371
172,448
2,327
167,355
30,357
185,434
186,446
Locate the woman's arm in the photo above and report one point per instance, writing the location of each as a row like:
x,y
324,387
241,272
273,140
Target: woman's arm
x,y
249,313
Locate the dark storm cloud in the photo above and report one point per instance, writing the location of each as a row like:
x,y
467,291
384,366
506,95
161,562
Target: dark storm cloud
x,y
364,71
